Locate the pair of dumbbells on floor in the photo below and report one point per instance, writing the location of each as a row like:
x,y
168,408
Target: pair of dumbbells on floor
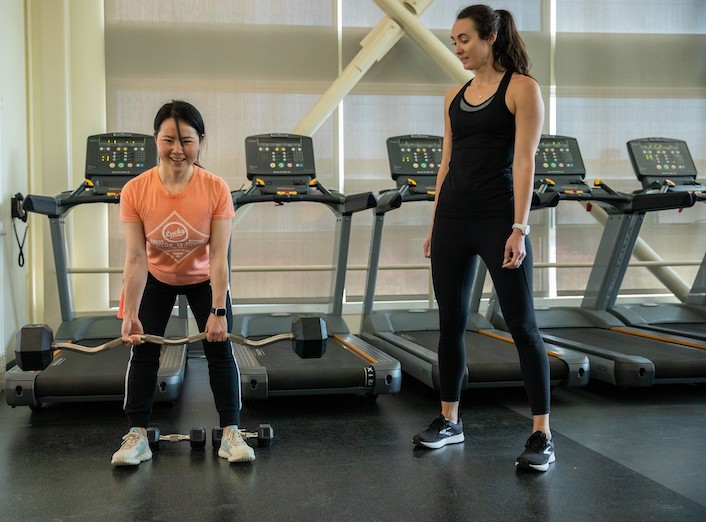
x,y
197,437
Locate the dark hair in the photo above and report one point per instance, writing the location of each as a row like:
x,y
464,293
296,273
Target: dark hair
x,y
180,111
509,50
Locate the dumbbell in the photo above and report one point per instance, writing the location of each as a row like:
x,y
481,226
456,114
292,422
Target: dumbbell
x,y
196,438
34,343
265,436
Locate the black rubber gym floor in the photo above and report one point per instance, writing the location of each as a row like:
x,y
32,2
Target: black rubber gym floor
x,y
621,455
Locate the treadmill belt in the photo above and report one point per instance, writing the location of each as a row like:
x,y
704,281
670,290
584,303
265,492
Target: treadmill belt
x,y
337,368
696,330
488,359
77,374
671,361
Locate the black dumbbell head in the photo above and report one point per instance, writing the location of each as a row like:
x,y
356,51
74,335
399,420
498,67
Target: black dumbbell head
x,y
309,336
265,436
216,436
153,437
33,350
197,438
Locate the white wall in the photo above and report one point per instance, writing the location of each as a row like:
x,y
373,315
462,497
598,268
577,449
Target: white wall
x,y
13,173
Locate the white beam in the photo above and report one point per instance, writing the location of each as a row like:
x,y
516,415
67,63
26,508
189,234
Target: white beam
x,y
406,15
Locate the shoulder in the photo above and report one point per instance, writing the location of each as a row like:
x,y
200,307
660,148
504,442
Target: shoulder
x,y
452,92
138,183
521,84
207,176
210,181
523,92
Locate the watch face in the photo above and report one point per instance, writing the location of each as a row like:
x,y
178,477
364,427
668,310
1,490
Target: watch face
x,y
218,311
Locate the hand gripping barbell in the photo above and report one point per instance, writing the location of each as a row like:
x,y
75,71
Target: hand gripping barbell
x,y
34,343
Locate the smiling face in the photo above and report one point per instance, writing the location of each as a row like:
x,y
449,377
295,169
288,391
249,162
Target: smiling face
x,y
474,52
177,155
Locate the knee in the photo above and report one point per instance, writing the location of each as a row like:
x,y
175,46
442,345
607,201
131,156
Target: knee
x,y
525,334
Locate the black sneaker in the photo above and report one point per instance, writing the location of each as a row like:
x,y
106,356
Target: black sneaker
x,y
440,433
538,454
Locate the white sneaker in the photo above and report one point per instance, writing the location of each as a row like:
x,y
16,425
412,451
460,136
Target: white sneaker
x,y
134,449
233,446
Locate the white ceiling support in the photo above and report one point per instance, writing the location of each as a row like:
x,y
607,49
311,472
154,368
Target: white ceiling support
x,y
402,18
405,13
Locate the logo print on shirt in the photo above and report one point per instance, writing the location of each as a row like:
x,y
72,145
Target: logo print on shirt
x,y
176,237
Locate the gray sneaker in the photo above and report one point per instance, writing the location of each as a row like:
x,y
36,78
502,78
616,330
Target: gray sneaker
x,y
233,446
134,449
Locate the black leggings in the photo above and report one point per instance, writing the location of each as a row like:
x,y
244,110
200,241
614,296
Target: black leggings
x,y
455,245
156,307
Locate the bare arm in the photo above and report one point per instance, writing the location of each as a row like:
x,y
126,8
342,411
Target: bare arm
x,y
217,327
134,280
525,101
445,159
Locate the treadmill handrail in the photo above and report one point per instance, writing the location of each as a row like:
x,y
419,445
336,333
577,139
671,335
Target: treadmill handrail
x,y
57,206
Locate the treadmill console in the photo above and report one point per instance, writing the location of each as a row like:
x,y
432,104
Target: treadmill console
x,y
656,160
416,158
558,158
115,158
280,163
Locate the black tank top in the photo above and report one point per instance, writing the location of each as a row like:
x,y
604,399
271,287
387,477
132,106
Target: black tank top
x,y
479,181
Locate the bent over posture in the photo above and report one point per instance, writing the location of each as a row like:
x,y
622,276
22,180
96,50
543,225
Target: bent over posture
x,y
177,220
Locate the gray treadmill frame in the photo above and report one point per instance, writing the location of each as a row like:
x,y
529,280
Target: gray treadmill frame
x,y
20,384
379,328
382,377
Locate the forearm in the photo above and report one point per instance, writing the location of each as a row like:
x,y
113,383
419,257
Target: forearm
x,y
219,282
523,178
134,280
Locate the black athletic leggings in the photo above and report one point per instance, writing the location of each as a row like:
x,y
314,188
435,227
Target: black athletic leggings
x,y
454,247
156,307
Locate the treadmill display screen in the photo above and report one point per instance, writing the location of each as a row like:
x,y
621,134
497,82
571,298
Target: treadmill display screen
x,y
279,155
558,155
414,155
661,157
114,159
119,154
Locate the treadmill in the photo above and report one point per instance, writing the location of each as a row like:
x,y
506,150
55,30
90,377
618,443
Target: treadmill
x,y
111,160
665,165
618,354
412,336
282,170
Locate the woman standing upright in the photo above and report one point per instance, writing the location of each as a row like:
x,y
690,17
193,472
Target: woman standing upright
x,y
483,195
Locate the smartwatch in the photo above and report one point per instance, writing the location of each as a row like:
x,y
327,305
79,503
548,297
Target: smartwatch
x,y
525,229
220,312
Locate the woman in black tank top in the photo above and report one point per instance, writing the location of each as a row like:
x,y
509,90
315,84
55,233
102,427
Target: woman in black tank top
x,y
483,195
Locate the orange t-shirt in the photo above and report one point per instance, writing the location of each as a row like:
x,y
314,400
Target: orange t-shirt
x,y
177,226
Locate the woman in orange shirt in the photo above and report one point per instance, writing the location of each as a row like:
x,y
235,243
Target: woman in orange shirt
x,y
177,221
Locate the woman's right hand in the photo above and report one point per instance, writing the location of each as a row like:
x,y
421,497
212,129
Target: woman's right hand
x,y
427,246
131,331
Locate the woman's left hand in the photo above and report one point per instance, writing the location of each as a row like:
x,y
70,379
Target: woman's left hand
x,y
515,251
216,328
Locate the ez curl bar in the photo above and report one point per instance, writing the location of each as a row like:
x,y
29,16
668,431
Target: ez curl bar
x,y
35,346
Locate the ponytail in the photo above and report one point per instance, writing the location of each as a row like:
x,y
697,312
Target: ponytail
x,y
509,50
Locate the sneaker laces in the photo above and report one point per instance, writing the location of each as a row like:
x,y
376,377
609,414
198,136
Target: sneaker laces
x,y
537,442
438,424
131,439
234,437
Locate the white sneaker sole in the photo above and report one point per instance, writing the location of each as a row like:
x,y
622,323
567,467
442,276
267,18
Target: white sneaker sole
x,y
131,462
536,467
453,439
247,456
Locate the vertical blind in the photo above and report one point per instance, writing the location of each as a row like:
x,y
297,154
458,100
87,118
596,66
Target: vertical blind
x,y
258,66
